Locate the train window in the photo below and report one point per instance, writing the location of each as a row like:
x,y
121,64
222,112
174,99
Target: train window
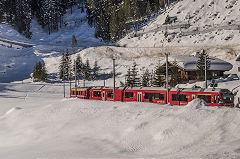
x,y
180,97
110,94
96,93
215,99
206,98
73,92
128,94
219,100
183,97
157,96
175,97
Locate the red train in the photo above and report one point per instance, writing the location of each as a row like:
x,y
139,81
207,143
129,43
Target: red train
x,y
176,96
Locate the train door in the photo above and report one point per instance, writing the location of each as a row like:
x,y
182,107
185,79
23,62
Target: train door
x,y
103,95
139,97
193,96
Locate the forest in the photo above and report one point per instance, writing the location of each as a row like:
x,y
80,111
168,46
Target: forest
x,y
112,19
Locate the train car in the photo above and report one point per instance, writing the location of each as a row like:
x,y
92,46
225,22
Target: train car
x,y
145,94
80,92
213,97
106,93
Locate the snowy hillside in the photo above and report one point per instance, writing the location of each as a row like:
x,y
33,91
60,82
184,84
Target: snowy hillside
x,y
211,23
17,62
38,123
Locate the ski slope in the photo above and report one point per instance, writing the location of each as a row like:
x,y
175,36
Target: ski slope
x,y
38,123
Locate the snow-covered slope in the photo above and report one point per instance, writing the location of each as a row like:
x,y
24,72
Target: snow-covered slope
x,y
17,62
212,23
38,123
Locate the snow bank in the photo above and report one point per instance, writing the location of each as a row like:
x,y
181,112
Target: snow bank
x,y
56,128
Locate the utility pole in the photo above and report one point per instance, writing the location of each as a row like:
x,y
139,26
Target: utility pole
x,y
167,77
114,79
70,83
104,79
205,71
75,70
64,94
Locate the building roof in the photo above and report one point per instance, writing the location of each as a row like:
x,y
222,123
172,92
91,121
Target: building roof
x,y
189,63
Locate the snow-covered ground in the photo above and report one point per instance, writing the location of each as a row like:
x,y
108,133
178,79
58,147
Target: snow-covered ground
x,y
37,122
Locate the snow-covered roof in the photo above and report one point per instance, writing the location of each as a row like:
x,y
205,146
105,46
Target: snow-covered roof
x,y
189,63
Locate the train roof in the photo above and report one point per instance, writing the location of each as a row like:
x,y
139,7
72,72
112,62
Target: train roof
x,y
200,90
102,87
145,88
82,88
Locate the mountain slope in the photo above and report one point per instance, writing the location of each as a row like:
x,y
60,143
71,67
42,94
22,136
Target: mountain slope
x,y
210,23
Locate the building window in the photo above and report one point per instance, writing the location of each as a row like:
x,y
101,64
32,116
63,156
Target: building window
x,y
110,94
206,98
128,94
180,97
96,93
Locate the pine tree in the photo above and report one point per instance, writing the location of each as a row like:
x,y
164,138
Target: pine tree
x,y
135,78
175,76
87,69
95,71
23,17
68,65
62,70
129,78
158,79
148,9
39,73
79,67
74,43
146,79
65,67
201,64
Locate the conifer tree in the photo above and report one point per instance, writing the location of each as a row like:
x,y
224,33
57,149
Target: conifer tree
x,y
95,71
175,76
39,73
68,65
87,69
146,79
148,9
74,43
158,79
79,67
129,78
62,70
135,78
201,64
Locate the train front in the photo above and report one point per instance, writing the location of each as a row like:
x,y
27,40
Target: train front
x,y
227,97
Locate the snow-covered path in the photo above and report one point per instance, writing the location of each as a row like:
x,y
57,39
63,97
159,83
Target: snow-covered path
x,y
36,122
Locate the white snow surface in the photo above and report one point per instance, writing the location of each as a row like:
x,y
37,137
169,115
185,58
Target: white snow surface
x,y
38,123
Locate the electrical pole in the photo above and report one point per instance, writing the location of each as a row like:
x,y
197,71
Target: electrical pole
x,y
104,79
64,94
114,79
205,71
167,77
70,82
75,70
